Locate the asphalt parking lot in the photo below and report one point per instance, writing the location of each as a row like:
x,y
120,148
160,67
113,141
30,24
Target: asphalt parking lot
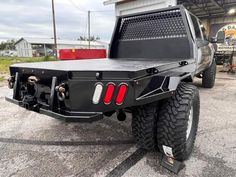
x,y
36,145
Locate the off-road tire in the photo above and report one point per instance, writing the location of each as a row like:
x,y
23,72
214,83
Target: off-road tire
x,y
144,126
209,75
173,118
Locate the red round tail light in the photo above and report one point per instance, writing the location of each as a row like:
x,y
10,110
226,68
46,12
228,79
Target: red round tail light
x,y
121,94
109,94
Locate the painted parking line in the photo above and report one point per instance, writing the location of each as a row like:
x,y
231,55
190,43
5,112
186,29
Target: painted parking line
x,y
129,162
67,143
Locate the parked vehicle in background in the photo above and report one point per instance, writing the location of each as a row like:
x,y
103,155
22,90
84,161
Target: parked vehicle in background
x,y
222,57
154,57
8,53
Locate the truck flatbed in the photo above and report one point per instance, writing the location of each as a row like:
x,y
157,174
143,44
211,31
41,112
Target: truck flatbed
x,y
131,65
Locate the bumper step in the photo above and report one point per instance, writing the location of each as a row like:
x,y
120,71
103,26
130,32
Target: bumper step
x,y
68,117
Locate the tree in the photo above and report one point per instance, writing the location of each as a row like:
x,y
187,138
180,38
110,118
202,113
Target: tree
x,y
92,38
81,38
8,45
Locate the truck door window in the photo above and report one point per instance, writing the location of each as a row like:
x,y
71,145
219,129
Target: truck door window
x,y
196,27
204,32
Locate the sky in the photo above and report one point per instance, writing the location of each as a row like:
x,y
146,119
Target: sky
x,y
33,18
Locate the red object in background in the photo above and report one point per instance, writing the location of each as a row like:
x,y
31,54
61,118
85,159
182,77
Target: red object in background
x,y
80,54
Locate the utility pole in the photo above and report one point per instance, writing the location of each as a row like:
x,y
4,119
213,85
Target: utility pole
x,y
54,29
89,15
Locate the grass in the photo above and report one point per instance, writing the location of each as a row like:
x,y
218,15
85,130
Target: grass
x,y
2,78
5,62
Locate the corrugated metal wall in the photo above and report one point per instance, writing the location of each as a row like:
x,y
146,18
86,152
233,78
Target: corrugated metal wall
x,y
142,6
223,20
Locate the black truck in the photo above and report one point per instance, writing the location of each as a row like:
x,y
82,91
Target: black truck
x,y
153,59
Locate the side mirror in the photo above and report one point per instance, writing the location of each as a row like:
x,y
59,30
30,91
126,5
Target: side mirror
x,y
212,39
219,39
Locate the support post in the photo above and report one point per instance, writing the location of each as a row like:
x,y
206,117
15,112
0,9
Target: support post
x,y
54,28
45,51
89,15
16,87
52,94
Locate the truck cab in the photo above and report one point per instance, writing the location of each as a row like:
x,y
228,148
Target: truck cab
x,y
204,49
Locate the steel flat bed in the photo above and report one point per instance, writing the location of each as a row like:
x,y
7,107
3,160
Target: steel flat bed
x,y
147,80
101,65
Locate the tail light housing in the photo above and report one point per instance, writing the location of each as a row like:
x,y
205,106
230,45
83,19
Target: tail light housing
x,y
97,93
109,93
121,94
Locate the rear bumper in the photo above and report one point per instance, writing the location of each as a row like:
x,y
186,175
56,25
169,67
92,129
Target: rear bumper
x,y
66,116
69,95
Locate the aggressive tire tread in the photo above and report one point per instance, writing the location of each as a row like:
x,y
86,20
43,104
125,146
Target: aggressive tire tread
x,y
144,126
173,120
208,79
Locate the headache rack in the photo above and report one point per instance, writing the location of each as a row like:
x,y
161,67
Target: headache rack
x,y
153,35
158,25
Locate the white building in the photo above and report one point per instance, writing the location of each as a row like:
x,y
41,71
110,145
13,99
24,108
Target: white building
x,y
125,7
32,47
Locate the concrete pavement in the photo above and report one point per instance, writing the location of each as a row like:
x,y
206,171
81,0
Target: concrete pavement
x,y
36,145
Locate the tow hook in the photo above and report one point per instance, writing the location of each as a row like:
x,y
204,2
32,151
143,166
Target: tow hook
x,y
61,92
11,81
